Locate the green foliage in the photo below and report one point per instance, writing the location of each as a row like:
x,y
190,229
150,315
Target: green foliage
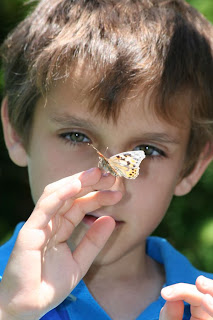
x,y
188,224
204,6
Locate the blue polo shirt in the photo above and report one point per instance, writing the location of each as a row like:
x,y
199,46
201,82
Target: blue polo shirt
x,y
80,304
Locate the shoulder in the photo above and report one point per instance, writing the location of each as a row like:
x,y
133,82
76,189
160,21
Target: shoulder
x,y
177,267
6,249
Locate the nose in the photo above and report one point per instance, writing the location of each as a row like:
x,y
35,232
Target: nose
x,y
119,185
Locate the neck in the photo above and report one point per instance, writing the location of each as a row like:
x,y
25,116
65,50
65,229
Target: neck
x,y
132,265
132,277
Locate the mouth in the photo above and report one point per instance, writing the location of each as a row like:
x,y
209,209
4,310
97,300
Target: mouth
x,y
89,219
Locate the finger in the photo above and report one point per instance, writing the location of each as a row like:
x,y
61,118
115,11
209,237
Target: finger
x,y
57,193
92,243
182,291
204,285
91,180
191,295
199,313
90,203
90,176
100,181
172,310
48,206
207,304
104,183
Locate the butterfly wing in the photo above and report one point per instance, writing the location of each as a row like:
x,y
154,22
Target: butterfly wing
x,y
127,164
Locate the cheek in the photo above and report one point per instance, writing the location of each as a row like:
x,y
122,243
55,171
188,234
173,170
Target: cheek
x,y
49,166
153,192
160,177
149,210
153,198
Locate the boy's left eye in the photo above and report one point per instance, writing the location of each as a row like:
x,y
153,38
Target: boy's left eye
x,y
151,151
75,137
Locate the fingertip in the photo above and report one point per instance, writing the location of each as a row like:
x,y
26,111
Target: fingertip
x,y
200,279
202,283
167,292
115,197
108,176
119,195
93,171
108,221
105,226
93,174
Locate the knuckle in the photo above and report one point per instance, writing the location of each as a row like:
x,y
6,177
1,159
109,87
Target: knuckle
x,y
39,205
78,207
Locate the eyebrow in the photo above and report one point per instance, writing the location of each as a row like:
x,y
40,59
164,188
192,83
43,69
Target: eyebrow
x,y
160,137
66,120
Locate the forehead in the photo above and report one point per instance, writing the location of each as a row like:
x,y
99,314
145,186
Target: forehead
x,y
68,105
94,89
85,87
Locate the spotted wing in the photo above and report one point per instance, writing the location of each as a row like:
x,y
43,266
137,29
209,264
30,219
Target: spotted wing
x,y
127,164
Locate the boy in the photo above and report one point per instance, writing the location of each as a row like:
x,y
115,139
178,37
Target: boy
x,y
127,75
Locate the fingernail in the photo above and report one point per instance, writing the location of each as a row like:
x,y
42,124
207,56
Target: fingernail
x,y
105,174
91,170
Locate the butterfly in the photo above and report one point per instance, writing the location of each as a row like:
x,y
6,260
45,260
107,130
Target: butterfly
x,y
125,164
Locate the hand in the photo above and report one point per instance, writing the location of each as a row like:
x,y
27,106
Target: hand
x,y
205,286
42,270
174,307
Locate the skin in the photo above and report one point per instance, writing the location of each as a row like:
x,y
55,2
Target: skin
x,y
199,297
112,252
205,286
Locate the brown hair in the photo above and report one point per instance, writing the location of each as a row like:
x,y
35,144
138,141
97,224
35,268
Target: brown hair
x,y
159,46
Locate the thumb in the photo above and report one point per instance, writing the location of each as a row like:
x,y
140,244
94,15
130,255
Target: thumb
x,y
172,310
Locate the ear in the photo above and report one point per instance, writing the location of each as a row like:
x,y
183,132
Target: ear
x,y
13,142
188,182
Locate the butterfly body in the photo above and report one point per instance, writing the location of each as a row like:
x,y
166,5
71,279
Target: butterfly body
x,y
125,164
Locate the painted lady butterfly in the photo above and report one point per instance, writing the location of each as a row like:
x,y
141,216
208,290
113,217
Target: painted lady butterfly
x,y
125,164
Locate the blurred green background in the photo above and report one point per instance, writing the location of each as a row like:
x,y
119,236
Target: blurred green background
x,y
188,224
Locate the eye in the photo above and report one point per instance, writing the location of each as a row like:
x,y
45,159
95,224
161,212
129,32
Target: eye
x,y
151,151
75,137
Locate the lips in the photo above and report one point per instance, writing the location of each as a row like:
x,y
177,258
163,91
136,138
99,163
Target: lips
x,y
89,219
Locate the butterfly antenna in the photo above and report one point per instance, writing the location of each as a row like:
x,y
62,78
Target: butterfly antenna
x,y
100,154
91,145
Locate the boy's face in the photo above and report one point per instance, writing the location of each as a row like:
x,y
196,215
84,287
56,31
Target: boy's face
x,y
62,128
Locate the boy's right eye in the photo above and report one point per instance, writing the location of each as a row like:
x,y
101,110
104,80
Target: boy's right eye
x,y
75,137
